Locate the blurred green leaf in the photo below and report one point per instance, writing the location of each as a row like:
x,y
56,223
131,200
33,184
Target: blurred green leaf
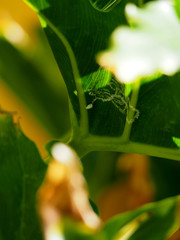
x,y
165,177
177,7
152,221
98,177
30,85
74,231
21,173
155,221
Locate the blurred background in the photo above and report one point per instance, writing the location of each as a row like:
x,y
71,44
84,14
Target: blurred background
x,y
27,62
126,181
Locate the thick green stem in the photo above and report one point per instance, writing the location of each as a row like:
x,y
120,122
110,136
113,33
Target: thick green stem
x,y
130,115
96,143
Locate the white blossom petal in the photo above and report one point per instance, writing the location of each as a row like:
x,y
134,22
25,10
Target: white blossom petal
x,y
151,46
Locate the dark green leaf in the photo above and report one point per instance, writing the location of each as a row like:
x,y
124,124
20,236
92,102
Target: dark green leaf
x,y
94,207
21,173
165,177
77,32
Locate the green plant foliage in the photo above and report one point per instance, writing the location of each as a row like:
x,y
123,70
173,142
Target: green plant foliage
x,y
96,80
82,32
76,34
76,231
165,176
152,221
21,173
26,80
177,7
98,177
106,115
155,221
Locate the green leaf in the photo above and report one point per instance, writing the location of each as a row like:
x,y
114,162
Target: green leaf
x,y
96,80
31,86
156,220
94,207
21,173
106,119
176,141
177,7
69,35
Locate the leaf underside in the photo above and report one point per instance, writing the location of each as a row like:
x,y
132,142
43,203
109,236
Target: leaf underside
x,y
77,32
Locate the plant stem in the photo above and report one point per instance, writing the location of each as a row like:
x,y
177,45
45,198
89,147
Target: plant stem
x,y
130,114
97,143
84,125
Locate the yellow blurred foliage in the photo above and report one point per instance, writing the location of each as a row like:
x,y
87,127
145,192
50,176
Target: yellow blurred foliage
x,y
17,11
29,124
21,13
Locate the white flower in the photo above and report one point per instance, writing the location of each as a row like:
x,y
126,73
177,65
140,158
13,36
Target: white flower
x,y
152,45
